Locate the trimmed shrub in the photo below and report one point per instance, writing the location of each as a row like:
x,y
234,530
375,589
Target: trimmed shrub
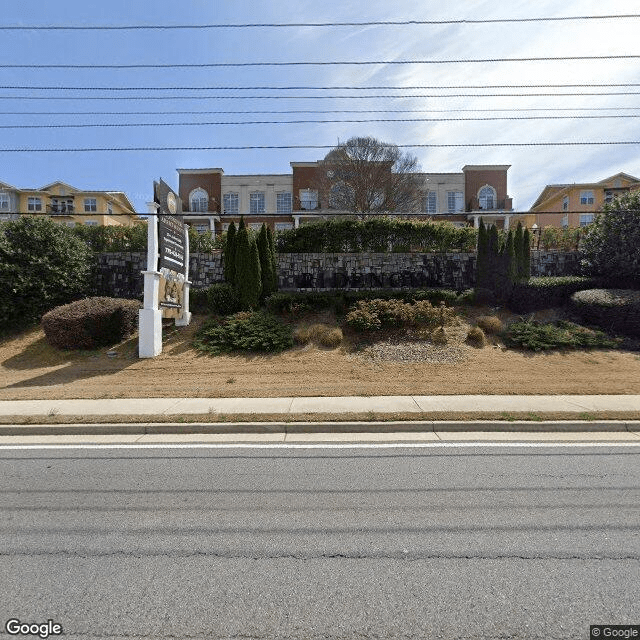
x,y
482,258
490,324
273,256
547,292
536,336
219,298
247,331
476,337
91,323
615,310
42,265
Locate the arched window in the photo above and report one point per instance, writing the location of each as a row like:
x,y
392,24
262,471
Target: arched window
x,y
487,197
199,200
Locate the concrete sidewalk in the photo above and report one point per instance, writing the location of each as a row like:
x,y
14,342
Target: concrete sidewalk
x,y
317,405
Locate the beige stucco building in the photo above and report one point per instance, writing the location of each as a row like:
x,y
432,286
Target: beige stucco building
x,y
68,205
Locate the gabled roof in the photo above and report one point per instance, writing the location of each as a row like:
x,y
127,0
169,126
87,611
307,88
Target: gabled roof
x,y
60,184
6,185
624,176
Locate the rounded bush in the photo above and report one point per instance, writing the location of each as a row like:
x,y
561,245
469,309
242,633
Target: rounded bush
x,y
615,310
91,323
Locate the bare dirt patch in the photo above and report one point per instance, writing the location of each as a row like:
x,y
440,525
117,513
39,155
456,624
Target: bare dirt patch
x,y
31,369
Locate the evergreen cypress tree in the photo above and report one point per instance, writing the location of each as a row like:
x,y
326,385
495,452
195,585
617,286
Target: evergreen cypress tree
x,y
241,225
247,278
526,255
482,258
510,265
230,254
493,255
274,260
518,247
266,264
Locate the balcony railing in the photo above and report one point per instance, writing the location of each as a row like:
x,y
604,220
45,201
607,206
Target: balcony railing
x,y
60,209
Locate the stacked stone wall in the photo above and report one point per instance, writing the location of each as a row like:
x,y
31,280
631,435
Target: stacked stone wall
x,y
120,274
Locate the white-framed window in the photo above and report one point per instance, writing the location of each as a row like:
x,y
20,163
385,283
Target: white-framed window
x,y
255,226
91,223
90,205
5,202
586,197
586,218
430,202
565,222
109,208
455,201
231,203
283,202
487,198
565,203
308,199
34,204
283,226
201,227
199,200
256,202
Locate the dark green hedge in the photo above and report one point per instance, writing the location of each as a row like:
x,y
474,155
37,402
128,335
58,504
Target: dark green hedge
x,y
379,234
219,298
615,310
547,292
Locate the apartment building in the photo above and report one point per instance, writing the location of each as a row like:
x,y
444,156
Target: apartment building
x,y
211,199
68,205
576,204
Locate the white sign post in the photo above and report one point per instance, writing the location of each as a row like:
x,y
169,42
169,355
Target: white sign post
x,y
168,263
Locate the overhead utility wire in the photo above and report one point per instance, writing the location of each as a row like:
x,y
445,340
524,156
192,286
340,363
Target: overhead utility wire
x,y
308,63
315,111
312,146
253,25
335,97
317,88
333,120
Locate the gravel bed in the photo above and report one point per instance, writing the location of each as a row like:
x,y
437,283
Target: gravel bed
x,y
394,350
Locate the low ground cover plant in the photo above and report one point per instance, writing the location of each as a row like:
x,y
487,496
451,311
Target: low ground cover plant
x,y
91,323
616,310
537,336
244,331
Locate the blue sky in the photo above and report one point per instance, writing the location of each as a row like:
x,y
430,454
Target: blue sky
x,y
134,172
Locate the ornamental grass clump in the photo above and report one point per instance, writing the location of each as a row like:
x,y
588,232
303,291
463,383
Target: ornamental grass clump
x,y
476,337
490,324
245,331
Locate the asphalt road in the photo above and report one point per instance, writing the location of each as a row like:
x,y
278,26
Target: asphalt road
x,y
434,542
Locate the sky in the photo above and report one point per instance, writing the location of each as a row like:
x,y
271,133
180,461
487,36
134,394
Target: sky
x,y
134,172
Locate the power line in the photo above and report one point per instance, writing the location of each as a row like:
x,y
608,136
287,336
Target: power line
x,y
311,146
331,121
260,25
311,111
308,63
319,88
334,97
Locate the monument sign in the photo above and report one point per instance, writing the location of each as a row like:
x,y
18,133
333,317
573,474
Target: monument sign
x,y
166,280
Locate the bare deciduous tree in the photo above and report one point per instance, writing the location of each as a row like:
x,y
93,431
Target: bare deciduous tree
x,y
365,175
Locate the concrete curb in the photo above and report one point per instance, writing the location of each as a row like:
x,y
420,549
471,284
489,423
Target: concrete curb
x,y
558,426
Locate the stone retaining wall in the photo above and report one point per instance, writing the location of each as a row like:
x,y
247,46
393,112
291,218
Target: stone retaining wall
x,y
119,274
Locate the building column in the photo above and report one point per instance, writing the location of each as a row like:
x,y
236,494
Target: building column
x,y
296,222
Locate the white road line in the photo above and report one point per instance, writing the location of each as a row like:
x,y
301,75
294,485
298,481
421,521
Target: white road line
x,y
419,445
